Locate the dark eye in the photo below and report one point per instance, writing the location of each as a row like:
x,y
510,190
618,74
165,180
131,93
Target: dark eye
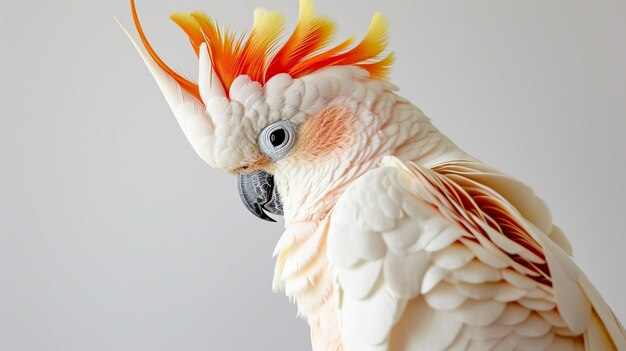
x,y
277,139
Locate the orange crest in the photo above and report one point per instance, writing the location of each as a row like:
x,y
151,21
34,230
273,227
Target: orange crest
x,y
260,55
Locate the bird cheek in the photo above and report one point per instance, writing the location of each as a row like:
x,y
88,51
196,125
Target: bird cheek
x,y
324,133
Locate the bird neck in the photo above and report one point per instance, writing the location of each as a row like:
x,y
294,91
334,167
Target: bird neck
x,y
309,193
390,125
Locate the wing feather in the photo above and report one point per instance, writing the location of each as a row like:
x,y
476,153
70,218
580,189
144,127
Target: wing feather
x,y
458,257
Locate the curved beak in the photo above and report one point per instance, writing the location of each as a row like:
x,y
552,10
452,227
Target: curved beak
x,y
258,194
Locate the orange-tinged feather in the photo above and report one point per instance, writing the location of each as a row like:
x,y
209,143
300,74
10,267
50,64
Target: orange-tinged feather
x,y
492,211
379,69
311,34
372,44
259,54
263,40
190,27
320,61
189,86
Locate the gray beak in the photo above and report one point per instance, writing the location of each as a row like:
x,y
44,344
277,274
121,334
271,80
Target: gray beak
x,y
258,194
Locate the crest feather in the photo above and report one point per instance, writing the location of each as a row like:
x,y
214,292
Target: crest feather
x,y
259,54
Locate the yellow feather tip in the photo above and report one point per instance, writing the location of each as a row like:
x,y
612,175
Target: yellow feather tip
x,y
261,56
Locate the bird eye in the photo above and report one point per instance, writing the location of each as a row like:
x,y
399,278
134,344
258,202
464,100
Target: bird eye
x,y
277,139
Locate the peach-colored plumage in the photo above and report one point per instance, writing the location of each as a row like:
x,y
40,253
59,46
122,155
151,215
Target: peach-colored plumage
x,y
472,204
396,239
325,132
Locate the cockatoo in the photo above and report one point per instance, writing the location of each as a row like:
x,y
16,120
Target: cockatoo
x,y
395,238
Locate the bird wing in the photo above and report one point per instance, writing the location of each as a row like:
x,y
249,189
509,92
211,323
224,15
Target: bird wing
x,y
456,257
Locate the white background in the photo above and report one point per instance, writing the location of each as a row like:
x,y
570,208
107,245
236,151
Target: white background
x,y
115,236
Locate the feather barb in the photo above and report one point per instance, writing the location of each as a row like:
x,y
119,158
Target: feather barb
x,y
260,55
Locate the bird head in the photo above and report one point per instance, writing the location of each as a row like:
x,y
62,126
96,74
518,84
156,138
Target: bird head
x,y
267,106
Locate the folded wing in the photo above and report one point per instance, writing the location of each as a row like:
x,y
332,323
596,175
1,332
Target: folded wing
x,y
458,256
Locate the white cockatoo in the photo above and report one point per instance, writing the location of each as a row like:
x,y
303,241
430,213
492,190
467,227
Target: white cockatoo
x,y
395,238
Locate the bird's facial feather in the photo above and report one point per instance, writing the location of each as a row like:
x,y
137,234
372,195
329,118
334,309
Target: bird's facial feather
x,y
251,83
330,130
318,106
247,82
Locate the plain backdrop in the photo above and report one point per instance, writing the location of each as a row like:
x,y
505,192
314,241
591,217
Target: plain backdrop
x,y
115,236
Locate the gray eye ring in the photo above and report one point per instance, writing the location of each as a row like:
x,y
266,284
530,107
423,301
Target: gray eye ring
x,y
277,139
